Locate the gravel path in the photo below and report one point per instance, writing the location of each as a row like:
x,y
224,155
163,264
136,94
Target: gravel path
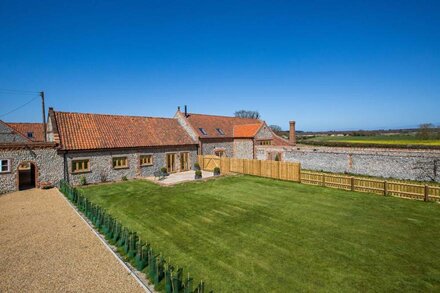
x,y
46,247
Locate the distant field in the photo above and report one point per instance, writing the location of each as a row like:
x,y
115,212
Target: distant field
x,y
377,139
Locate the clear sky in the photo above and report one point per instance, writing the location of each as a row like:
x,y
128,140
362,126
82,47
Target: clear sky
x,y
326,64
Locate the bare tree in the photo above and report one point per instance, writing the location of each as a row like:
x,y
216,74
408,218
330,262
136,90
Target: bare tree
x,y
425,131
247,114
275,128
428,170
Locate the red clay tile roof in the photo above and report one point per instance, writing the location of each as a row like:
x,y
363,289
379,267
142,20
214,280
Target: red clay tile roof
x,y
210,123
279,141
247,130
79,131
24,128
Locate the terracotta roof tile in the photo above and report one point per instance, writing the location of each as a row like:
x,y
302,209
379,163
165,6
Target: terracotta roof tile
x,y
23,128
210,123
247,130
80,131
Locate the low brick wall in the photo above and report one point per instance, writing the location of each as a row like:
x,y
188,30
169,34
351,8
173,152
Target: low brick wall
x,y
393,163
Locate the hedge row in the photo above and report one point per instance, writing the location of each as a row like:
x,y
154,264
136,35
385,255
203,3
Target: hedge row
x,y
139,253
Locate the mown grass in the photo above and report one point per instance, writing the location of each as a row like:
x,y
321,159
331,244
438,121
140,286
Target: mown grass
x,y
378,139
250,234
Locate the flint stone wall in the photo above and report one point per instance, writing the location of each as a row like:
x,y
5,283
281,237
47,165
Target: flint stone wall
x,y
387,163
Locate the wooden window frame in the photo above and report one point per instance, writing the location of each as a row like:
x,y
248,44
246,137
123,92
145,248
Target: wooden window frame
x,y
220,151
79,171
126,166
146,164
8,164
265,142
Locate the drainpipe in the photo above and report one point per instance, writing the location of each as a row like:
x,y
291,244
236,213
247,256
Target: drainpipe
x,y
66,173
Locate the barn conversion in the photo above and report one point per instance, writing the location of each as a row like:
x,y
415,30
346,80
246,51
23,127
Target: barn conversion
x,y
98,147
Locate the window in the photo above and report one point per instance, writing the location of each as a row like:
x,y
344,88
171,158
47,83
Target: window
x,y
219,153
146,160
120,162
220,131
203,131
79,166
5,166
265,142
30,134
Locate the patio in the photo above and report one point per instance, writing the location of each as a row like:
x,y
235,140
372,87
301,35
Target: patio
x,y
175,178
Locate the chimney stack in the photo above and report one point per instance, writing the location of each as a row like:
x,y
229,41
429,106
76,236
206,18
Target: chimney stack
x,y
292,136
186,111
178,108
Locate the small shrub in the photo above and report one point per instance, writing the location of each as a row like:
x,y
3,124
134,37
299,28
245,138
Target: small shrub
x,y
82,180
198,174
197,166
216,171
277,158
124,178
164,170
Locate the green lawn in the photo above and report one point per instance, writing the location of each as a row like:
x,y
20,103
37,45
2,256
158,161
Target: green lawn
x,y
377,139
250,234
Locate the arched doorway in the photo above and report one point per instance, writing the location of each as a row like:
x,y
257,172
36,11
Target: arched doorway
x,y
26,176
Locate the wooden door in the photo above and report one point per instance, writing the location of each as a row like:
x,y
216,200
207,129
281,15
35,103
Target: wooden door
x,y
171,163
184,161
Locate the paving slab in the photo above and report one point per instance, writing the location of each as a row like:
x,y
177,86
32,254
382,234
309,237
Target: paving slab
x,y
46,247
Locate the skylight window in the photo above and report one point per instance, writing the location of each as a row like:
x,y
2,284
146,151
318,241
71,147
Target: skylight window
x,y
203,131
30,134
220,131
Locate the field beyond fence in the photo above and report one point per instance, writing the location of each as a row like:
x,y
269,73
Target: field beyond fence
x,y
292,172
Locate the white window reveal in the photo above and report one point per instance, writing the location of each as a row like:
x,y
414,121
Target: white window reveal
x,y
203,131
5,166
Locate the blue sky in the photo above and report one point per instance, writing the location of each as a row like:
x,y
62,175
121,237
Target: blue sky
x,y
326,64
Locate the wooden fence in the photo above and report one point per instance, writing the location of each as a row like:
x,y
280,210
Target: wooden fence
x,y
292,172
270,169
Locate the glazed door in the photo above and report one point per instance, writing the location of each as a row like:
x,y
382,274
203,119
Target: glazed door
x,y
184,161
171,163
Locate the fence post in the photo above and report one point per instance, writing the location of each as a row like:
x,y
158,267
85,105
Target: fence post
x,y
385,188
299,172
323,179
352,183
426,197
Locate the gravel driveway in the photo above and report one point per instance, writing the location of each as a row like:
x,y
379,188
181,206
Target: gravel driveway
x,y
46,247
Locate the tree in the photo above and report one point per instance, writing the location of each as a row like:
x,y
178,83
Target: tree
x,y
428,170
275,128
247,114
425,131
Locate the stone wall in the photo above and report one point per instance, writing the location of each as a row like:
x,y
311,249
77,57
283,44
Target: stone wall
x,y
48,166
8,135
387,163
101,163
243,148
209,146
264,133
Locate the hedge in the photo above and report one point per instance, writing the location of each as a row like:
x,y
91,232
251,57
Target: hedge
x,y
138,252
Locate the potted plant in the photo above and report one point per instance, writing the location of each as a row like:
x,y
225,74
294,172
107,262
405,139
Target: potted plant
x,y
216,171
197,166
198,174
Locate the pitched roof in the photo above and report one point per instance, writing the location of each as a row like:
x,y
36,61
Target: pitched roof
x,y
81,131
247,130
23,128
210,123
279,141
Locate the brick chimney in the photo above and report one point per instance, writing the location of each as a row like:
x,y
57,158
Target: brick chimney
x,y
292,136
